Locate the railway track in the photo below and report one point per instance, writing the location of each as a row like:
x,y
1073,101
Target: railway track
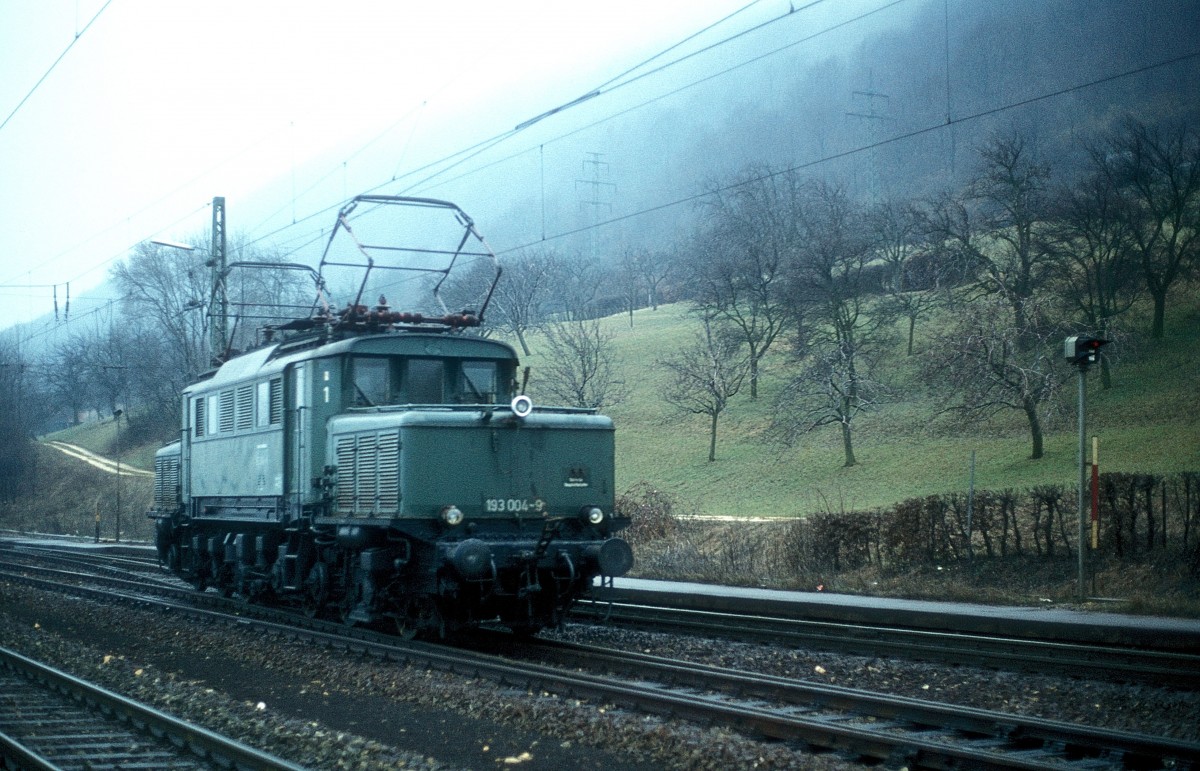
x,y
52,720
882,727
1175,668
1169,667
866,725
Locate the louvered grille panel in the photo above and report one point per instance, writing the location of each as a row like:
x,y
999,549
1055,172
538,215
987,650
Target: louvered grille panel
x,y
345,475
225,412
200,420
368,477
389,473
366,473
245,407
166,481
276,401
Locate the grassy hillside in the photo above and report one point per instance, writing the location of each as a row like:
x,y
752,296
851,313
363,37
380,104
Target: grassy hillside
x,y
70,495
1146,422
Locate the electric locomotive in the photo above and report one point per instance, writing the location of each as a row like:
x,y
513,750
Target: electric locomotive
x,y
385,468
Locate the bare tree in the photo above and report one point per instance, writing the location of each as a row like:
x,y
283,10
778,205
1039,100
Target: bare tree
x,y
989,366
827,285
578,282
999,353
654,268
1099,275
996,227
705,376
523,293
628,282
914,276
739,264
579,364
167,288
19,416
110,359
826,390
1158,175
66,375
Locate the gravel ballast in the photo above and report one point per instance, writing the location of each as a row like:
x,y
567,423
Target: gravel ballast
x,y
329,709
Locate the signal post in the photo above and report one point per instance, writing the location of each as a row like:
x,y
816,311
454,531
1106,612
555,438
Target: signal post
x,y
1081,350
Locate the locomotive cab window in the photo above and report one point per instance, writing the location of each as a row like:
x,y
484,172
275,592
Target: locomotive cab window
x,y
424,381
370,381
478,382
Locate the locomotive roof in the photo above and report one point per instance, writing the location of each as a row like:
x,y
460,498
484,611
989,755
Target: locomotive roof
x,y
273,359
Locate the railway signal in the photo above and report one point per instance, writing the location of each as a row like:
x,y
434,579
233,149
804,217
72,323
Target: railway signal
x,y
1081,350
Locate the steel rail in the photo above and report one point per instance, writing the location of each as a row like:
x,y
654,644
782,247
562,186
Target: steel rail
x,y
50,719
891,729
1172,668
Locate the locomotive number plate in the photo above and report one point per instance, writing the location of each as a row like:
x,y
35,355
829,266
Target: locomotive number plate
x,y
514,506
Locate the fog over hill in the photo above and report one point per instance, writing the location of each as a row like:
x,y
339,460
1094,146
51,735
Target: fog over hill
x,y
889,99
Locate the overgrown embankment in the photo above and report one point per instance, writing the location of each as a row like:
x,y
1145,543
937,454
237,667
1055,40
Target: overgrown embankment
x,y
66,496
1009,546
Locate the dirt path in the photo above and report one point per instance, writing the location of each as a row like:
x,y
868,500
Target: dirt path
x,y
99,461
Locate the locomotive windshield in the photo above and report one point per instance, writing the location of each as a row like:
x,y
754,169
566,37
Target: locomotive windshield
x,y
376,381
478,383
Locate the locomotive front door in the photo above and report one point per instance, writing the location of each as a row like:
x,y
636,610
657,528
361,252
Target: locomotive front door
x,y
298,416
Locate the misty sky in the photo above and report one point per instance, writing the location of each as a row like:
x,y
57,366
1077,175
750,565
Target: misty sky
x,y
283,108
287,109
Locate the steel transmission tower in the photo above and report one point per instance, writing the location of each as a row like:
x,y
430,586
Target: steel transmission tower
x,y
598,193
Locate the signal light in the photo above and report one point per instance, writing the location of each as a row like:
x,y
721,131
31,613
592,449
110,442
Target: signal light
x,y
1082,349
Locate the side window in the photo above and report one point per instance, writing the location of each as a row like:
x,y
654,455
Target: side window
x,y
370,381
424,381
212,411
262,412
477,382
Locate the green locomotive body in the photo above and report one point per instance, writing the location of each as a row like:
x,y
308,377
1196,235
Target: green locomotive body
x,y
388,474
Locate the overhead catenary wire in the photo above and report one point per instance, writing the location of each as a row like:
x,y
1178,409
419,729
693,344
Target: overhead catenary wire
x,y
458,159
61,56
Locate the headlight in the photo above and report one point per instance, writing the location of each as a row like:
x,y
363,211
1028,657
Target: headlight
x,y
593,515
522,406
452,515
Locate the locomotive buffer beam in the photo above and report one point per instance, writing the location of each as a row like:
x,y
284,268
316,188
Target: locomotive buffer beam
x,y
550,530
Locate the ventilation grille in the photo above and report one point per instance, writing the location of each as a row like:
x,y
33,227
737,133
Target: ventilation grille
x,y
225,412
245,407
368,475
166,482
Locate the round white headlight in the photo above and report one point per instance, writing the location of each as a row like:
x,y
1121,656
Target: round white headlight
x,y
452,515
522,405
594,515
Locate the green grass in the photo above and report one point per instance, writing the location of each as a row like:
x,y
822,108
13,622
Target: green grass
x,y
1147,423
101,438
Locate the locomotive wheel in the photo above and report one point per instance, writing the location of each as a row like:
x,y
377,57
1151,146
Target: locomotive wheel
x,y
173,558
420,618
316,590
406,627
222,578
